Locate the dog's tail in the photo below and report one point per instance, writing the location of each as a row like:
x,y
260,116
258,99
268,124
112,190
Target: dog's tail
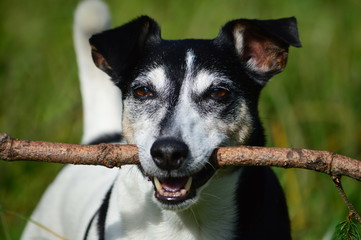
x,y
102,106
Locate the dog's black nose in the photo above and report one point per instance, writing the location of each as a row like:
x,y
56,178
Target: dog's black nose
x,y
169,153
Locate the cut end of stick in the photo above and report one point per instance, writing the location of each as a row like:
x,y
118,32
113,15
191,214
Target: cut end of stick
x,y
4,137
5,145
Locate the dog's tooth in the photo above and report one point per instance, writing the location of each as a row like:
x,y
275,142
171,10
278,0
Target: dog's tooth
x,y
157,184
161,191
188,184
183,192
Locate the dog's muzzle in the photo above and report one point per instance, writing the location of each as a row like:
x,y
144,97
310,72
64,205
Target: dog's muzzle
x,y
170,154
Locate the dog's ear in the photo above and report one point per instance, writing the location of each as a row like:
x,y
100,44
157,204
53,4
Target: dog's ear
x,y
115,51
261,44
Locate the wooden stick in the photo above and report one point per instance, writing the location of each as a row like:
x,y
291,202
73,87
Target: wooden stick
x,y
109,155
116,155
321,161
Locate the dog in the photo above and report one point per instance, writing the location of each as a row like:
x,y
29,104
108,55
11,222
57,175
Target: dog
x,y
177,100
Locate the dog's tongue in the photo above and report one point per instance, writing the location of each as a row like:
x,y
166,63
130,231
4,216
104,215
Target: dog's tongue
x,y
174,184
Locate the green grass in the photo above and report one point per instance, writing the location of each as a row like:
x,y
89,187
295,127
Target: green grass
x,y
314,104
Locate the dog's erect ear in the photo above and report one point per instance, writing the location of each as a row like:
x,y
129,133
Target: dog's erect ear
x,y
261,44
115,51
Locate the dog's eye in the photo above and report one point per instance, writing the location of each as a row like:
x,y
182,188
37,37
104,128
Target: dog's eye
x,y
219,93
143,92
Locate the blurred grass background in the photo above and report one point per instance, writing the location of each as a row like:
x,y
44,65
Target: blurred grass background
x,y
314,104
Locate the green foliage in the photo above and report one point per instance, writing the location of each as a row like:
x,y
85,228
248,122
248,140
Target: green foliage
x,y
347,230
314,103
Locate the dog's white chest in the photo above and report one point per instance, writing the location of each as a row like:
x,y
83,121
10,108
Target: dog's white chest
x,y
134,214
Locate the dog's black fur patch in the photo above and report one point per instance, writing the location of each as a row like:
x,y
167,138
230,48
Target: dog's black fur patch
x,y
107,138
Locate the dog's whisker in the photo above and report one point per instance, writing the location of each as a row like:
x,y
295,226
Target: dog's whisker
x,y
210,164
194,216
212,195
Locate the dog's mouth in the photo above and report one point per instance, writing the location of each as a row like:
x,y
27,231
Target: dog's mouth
x,y
176,190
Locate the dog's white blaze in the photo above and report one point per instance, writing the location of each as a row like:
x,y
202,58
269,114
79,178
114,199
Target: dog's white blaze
x,y
189,62
188,119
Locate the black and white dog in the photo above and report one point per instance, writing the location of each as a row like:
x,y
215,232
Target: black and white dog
x,y
179,100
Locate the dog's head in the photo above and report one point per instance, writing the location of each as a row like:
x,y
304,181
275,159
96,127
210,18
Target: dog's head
x,y
184,98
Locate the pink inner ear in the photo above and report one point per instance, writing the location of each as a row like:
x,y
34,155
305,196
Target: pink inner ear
x,y
100,61
264,54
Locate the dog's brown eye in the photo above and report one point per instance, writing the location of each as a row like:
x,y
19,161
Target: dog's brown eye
x,y
219,93
143,92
